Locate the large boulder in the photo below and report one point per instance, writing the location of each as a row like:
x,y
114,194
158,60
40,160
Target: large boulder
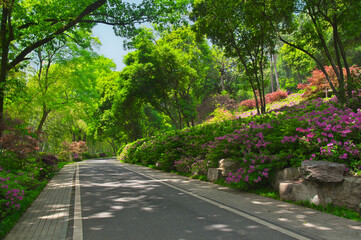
x,y
214,174
228,166
322,171
300,191
348,193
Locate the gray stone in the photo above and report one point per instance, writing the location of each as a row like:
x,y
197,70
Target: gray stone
x,y
214,174
322,171
287,174
285,190
299,191
228,166
346,193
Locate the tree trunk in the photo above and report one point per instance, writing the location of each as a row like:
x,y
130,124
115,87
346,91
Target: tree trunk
x,y
272,70
276,74
299,76
5,42
43,118
222,71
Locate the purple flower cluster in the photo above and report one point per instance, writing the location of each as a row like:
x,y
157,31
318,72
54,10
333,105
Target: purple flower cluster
x,y
13,197
10,193
254,169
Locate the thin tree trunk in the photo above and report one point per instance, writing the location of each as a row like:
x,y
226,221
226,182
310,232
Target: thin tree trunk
x,y
276,74
43,118
272,70
299,76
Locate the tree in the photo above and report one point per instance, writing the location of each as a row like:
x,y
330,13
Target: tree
x,y
321,29
164,73
27,25
300,64
239,28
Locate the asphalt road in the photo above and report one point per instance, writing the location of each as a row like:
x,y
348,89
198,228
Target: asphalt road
x,y
117,203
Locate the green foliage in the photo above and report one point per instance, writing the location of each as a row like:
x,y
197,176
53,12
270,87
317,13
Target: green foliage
x,y
259,144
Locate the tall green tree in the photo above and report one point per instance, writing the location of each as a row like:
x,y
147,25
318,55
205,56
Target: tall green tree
x,y
240,28
28,24
167,71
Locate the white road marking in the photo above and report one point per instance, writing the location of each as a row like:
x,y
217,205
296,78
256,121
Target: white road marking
x,y
242,214
78,224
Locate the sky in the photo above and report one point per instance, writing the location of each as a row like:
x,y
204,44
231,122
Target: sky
x,y
112,45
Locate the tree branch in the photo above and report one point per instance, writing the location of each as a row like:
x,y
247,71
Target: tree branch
x,y
21,57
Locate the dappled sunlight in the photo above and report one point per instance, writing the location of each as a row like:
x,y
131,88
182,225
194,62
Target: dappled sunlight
x,y
284,220
130,200
310,225
61,214
354,227
219,227
96,228
100,215
262,203
252,227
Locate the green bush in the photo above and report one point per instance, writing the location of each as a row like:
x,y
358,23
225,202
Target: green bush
x,y
312,130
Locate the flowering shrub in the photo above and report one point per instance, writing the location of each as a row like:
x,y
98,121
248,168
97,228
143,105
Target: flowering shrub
x,y
312,130
49,159
276,96
195,166
73,151
17,143
317,83
48,164
11,193
248,104
254,171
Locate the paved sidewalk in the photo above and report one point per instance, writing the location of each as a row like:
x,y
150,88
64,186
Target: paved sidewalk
x,y
48,216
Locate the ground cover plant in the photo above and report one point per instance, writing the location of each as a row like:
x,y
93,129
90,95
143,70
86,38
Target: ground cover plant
x,y
24,171
319,129
19,188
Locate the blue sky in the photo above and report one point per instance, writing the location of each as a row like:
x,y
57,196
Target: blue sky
x,y
112,46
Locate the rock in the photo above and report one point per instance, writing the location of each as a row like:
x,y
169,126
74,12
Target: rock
x,y
285,190
299,191
348,193
287,174
214,174
228,166
322,171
